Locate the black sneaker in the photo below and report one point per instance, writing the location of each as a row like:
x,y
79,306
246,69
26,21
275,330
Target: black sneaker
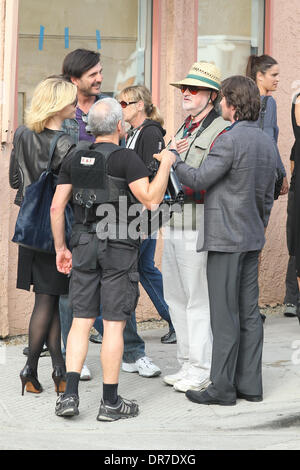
x,y
96,338
169,338
122,409
290,310
67,405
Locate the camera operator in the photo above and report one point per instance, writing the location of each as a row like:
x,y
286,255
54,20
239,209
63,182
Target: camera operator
x,y
104,270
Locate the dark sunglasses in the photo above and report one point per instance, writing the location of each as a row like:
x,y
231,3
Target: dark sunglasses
x,y
124,104
75,102
192,89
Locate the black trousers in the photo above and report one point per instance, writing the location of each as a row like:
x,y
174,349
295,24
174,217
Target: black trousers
x,y
291,284
236,324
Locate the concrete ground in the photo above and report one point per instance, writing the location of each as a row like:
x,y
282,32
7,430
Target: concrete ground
x,y
167,420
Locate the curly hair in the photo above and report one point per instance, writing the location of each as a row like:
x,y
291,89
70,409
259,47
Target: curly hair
x,y
243,94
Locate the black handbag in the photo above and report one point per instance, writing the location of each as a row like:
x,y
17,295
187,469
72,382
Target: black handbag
x,y
33,226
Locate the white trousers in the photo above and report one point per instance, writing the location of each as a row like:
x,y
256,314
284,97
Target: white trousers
x,y
186,293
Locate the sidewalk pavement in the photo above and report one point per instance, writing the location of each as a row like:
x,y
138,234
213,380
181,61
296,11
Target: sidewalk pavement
x,y
167,420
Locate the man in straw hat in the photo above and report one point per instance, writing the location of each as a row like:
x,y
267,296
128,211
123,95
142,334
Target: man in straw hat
x,y
184,270
238,176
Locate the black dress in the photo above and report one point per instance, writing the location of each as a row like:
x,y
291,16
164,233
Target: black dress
x,y
28,160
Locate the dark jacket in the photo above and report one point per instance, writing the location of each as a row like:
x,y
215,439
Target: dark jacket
x,y
29,157
239,176
150,140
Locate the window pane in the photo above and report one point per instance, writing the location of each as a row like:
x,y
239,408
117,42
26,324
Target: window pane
x,y
229,31
125,41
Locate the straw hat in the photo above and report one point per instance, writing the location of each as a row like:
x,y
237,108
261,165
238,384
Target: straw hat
x,y
202,74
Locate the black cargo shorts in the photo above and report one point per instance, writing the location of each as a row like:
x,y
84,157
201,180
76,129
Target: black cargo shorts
x,y
103,272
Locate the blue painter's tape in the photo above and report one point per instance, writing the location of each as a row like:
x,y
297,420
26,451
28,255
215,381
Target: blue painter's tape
x,y
98,37
41,39
66,38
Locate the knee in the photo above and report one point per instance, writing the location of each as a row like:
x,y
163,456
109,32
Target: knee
x,y
113,327
83,325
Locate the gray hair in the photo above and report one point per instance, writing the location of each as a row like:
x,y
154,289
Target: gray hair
x,y
104,116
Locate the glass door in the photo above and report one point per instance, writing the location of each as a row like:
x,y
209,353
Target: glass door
x,y
120,30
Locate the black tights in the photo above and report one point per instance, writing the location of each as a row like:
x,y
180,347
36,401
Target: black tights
x,y
44,327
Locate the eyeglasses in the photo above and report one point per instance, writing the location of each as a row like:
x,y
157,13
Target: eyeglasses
x,y
75,102
124,104
192,89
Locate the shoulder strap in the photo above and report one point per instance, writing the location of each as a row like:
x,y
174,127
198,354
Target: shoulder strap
x,y
106,152
204,125
263,112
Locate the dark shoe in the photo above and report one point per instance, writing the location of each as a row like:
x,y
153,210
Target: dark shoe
x,y
30,381
169,338
67,405
122,409
290,310
204,398
263,317
44,353
249,397
96,338
59,379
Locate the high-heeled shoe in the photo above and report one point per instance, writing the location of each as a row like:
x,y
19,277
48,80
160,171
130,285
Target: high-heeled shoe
x,y
59,379
30,381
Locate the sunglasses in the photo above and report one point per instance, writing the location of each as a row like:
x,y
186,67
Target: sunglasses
x,y
192,89
124,104
75,102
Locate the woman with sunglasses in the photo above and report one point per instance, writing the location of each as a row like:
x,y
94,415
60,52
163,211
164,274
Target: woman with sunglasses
x,y
54,100
146,137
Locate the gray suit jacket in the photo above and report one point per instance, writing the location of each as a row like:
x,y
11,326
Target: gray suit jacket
x,y
239,176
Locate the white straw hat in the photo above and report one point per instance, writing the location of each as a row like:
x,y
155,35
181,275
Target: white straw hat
x,y
202,74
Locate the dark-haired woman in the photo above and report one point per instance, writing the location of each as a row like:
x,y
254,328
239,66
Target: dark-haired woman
x,y
264,70
54,100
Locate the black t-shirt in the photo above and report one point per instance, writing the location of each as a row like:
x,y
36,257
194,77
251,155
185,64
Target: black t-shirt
x,y
123,163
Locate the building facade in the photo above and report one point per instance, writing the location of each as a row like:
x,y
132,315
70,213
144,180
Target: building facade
x,y
141,41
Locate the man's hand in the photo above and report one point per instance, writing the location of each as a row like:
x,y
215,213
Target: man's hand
x,y
165,156
284,187
64,261
180,145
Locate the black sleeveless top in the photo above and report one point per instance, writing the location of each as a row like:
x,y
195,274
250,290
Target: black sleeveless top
x,y
295,152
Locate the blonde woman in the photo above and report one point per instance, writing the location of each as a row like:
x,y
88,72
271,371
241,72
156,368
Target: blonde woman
x,y
54,100
146,137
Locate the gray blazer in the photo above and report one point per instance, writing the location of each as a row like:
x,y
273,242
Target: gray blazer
x,y
239,176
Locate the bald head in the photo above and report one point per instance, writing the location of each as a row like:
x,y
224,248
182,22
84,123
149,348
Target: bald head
x,y
104,117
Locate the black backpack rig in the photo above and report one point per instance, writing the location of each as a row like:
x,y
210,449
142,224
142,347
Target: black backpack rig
x,y
92,185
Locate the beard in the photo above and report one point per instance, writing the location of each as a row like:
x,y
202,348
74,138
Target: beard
x,y
187,105
90,91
